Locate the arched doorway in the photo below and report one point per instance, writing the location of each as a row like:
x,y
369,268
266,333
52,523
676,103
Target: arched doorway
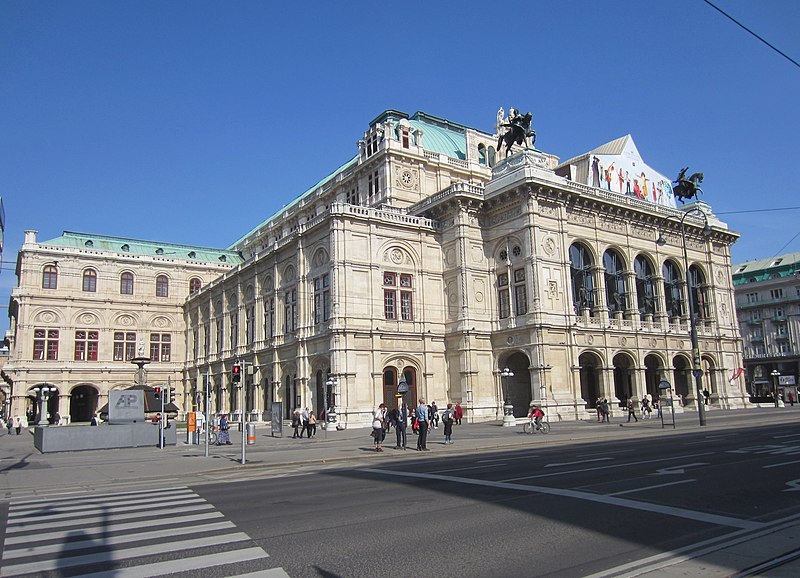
x,y
590,365
710,377
45,413
322,393
518,391
653,370
390,381
624,386
82,403
682,373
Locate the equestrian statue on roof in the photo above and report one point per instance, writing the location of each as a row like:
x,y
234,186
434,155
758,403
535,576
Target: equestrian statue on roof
x,y
517,130
687,188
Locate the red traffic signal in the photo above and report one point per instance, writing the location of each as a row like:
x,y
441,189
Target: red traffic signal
x,y
236,373
158,392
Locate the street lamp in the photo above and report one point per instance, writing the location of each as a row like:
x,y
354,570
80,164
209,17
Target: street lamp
x,y
43,393
697,370
331,420
775,375
508,408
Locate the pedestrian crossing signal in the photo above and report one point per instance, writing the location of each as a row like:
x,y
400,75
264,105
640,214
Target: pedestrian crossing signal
x,y
158,392
172,395
236,374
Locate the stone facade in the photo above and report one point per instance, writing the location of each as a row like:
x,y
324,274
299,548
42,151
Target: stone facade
x,y
85,305
428,258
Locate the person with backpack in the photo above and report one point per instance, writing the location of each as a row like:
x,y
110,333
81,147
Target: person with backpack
x,y
448,417
632,411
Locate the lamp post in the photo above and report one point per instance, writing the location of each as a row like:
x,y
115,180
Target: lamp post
x,y
508,408
43,393
331,420
775,376
697,370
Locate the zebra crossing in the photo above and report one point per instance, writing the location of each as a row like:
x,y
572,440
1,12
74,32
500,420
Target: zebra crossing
x,y
154,532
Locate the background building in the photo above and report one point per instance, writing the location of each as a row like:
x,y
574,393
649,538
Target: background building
x,y
768,305
85,305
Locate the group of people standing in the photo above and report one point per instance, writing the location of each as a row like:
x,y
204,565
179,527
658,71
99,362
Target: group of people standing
x,y
423,418
305,421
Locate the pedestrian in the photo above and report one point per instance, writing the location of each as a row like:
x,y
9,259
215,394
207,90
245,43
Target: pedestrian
x,y
459,413
400,423
791,398
10,426
657,407
296,423
422,423
448,417
706,396
605,410
95,420
434,415
379,426
304,420
599,408
19,425
224,436
156,418
632,410
57,419
312,424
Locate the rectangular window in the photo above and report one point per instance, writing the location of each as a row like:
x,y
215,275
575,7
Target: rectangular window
x,y
45,344
86,345
373,184
160,346
220,337
406,306
322,298
776,293
290,311
520,292
124,346
503,296
406,140
752,297
779,313
250,326
269,322
353,198
781,330
389,310
234,329
206,341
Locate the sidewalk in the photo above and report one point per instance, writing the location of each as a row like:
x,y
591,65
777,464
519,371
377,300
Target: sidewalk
x,y
25,473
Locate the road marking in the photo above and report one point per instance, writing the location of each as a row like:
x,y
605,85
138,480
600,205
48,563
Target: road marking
x,y
504,460
677,469
781,464
558,465
472,468
620,465
794,486
650,487
793,435
587,496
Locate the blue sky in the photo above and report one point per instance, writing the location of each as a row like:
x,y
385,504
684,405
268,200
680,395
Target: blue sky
x,y
191,122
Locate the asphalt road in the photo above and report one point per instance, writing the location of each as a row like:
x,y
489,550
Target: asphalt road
x,y
563,511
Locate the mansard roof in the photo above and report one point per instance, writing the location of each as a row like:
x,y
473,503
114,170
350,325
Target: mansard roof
x,y
123,245
763,269
614,147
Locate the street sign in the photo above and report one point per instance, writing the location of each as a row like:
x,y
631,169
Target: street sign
x,y
402,387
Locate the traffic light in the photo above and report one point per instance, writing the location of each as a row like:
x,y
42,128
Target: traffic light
x,y
172,395
158,392
236,375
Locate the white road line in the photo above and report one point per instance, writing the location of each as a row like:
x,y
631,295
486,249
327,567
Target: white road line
x,y
472,468
634,490
115,555
781,464
504,460
590,497
620,465
183,564
558,465
103,541
112,527
91,509
98,498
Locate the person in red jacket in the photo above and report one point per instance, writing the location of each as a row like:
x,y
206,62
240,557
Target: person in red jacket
x,y
459,413
537,414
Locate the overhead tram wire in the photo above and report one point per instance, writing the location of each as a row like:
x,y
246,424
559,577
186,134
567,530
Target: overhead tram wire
x,y
745,28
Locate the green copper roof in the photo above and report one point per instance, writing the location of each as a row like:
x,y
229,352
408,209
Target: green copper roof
x,y
763,269
441,135
121,245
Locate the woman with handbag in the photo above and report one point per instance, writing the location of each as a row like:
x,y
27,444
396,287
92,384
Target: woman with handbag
x,y
379,426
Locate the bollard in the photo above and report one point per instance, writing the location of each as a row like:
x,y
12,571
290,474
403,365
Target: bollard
x,y
251,434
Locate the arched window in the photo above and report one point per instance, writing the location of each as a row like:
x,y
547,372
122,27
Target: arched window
x,y
616,290
482,154
90,281
673,293
645,291
194,285
492,156
580,265
126,283
162,286
50,277
699,292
